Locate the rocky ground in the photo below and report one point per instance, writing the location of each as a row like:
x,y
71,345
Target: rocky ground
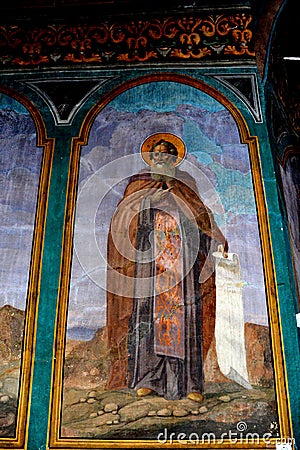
x,y
12,323
90,411
122,415
9,386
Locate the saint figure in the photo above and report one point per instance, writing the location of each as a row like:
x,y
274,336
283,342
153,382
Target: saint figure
x,y
160,279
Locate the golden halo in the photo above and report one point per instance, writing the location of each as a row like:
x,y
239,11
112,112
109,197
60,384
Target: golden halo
x,y
154,138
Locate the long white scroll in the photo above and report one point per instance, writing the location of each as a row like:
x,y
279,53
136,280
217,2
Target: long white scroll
x,y
229,329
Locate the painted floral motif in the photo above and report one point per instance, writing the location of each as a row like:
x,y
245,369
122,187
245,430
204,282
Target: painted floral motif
x,y
154,40
169,304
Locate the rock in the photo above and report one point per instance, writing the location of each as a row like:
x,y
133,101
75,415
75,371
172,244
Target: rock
x,y
92,394
109,407
165,412
135,411
11,386
224,398
195,412
72,396
203,409
91,400
95,422
152,413
92,415
259,358
180,412
6,420
12,325
221,412
77,412
87,365
4,398
113,421
262,408
100,412
82,400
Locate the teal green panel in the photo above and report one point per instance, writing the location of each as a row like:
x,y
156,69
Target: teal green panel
x,y
41,386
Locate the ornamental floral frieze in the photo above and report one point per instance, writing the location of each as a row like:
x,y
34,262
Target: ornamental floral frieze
x,y
135,41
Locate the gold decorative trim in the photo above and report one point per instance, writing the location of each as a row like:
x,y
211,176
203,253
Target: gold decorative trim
x,y
120,41
55,441
32,302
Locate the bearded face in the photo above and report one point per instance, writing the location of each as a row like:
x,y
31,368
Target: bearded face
x,y
163,163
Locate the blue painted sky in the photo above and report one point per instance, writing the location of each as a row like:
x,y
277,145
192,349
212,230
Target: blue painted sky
x,y
163,96
11,104
213,146
20,162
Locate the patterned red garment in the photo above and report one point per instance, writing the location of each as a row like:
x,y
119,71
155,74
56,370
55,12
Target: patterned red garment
x,y
169,303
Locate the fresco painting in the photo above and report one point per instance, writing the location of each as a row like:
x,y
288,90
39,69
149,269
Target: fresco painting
x,y
291,181
20,166
213,174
